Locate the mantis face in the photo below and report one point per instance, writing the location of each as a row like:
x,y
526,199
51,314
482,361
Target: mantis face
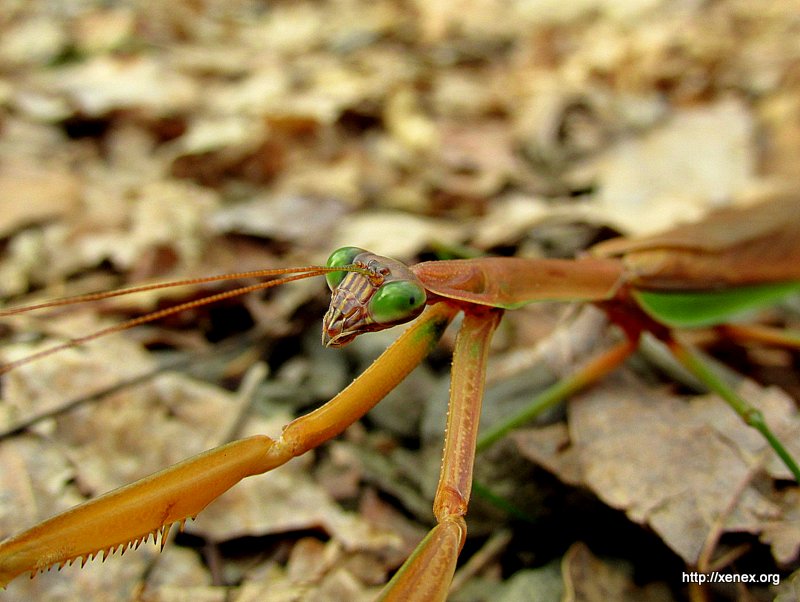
x,y
383,293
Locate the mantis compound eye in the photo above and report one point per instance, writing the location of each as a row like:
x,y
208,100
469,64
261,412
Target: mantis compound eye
x,y
341,257
397,301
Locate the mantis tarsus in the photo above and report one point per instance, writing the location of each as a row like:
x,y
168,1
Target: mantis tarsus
x,y
690,276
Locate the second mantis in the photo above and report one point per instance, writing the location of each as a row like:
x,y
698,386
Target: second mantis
x,y
654,286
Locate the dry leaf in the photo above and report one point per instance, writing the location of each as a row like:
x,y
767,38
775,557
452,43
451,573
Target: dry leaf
x,y
676,466
31,195
650,183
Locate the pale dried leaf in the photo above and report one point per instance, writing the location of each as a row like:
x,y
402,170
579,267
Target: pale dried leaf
x,y
29,195
393,234
650,183
676,466
281,217
106,83
783,535
789,589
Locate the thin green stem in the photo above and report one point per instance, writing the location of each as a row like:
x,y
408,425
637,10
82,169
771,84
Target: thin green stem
x,y
546,399
591,372
751,415
500,502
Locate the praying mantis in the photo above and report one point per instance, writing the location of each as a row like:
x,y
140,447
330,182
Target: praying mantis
x,y
697,275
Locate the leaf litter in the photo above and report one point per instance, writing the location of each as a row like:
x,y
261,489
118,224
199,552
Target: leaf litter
x,y
689,465
140,143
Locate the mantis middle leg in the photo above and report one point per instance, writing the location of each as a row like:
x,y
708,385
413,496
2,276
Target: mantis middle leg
x,y
427,573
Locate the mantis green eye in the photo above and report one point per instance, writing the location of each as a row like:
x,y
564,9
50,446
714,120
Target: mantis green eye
x,y
341,257
399,300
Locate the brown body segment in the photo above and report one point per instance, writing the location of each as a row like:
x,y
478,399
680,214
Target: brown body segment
x,y
731,247
511,282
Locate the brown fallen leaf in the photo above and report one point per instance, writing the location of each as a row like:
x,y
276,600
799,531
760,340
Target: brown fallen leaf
x,y
673,465
30,194
783,534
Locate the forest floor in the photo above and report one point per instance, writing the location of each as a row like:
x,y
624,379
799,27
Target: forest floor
x,y
144,141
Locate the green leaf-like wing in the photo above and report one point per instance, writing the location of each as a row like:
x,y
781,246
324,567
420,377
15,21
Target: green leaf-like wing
x,y
695,309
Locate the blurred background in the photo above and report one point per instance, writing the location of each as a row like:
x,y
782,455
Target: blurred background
x,y
144,141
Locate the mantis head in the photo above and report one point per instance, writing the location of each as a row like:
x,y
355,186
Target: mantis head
x,y
382,293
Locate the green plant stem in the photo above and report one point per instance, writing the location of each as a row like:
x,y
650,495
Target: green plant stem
x,y
751,415
498,501
591,372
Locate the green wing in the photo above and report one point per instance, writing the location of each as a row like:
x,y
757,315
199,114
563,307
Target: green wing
x,y
695,309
